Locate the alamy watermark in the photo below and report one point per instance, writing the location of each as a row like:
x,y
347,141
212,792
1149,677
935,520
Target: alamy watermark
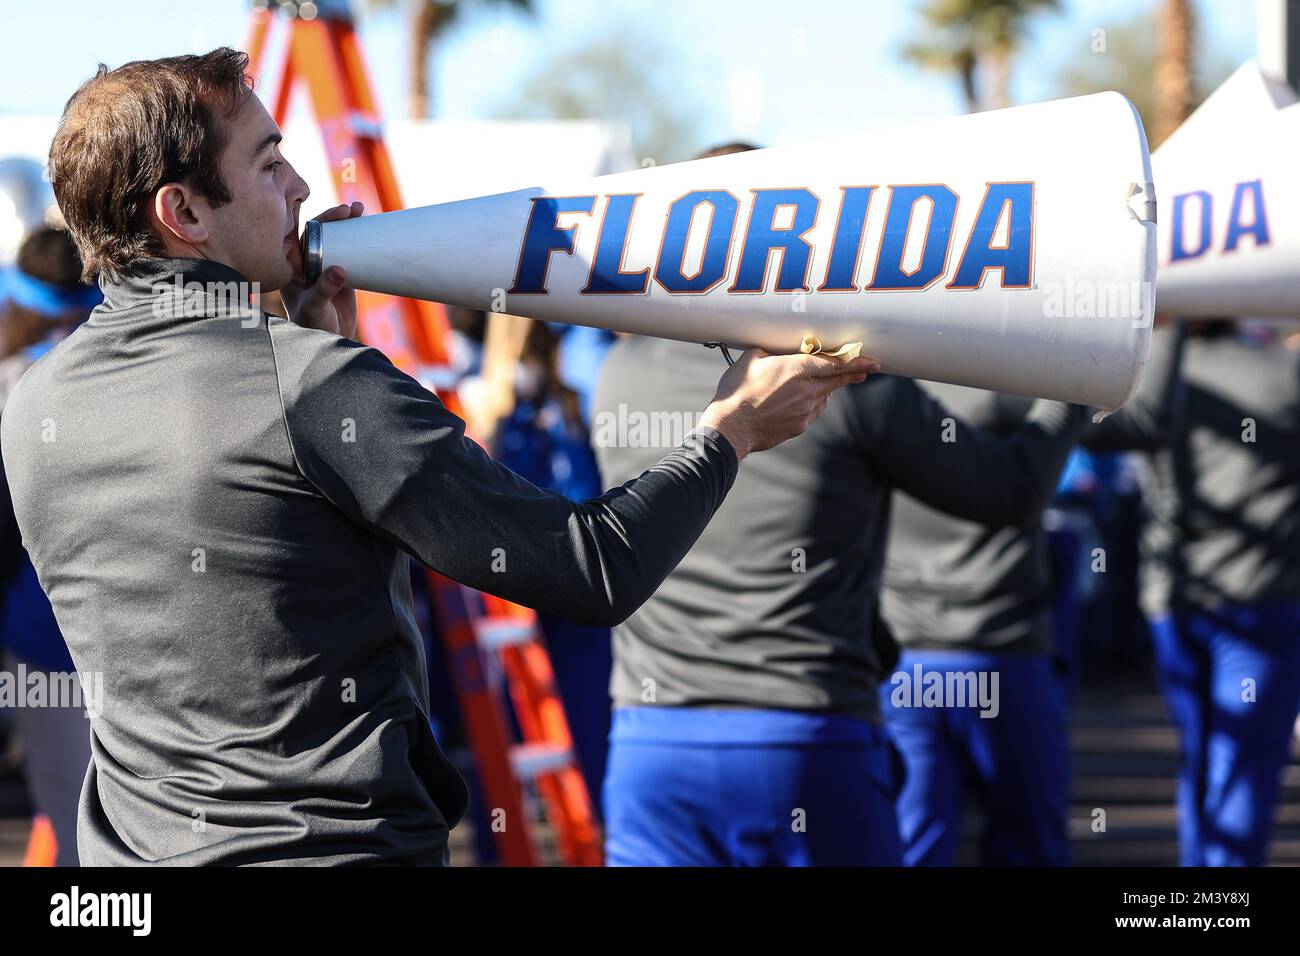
x,y
133,911
177,299
1088,299
626,428
934,688
41,688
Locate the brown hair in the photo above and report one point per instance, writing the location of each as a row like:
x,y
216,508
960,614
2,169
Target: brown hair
x,y
48,255
726,149
128,131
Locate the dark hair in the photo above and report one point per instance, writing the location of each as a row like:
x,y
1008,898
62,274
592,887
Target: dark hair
x,y
48,255
125,133
726,149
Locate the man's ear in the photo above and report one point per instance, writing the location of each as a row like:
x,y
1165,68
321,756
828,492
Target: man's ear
x,y
176,217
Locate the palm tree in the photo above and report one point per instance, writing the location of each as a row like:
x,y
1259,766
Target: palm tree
x,y
966,37
429,20
1175,87
1130,66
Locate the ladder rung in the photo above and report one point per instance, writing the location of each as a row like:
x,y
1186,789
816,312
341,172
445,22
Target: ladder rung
x,y
532,760
497,632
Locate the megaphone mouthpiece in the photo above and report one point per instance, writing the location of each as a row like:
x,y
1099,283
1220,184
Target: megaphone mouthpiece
x,y
313,251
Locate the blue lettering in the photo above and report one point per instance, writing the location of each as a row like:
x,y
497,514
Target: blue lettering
x,y
672,253
607,275
762,239
1014,258
542,237
1258,227
889,273
1177,250
847,246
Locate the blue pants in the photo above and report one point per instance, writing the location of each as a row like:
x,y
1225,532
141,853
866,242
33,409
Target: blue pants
x,y
1231,682
702,787
1017,762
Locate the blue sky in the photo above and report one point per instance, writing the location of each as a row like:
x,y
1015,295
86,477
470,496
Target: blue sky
x,y
814,67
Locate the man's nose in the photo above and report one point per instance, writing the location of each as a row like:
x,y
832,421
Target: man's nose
x,y
298,189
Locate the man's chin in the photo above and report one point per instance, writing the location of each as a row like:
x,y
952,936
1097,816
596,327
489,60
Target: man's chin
x,y
276,277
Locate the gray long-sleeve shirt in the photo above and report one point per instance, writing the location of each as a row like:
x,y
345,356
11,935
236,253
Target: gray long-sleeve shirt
x,y
218,507
775,606
1218,421
954,583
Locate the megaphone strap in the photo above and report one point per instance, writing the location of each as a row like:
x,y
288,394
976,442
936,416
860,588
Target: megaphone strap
x,y
725,353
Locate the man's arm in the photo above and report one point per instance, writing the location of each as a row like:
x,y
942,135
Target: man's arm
x,y
917,446
404,469
1145,422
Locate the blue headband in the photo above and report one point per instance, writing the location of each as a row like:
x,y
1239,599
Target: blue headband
x,y
46,298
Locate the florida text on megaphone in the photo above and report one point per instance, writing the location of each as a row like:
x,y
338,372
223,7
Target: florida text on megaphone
x,y
778,222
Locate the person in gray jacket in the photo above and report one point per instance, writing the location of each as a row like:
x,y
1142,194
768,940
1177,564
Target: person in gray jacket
x,y
747,728
972,601
1217,419
220,504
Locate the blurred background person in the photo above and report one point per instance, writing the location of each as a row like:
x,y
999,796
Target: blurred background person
x,y
523,406
41,301
747,725
1100,632
1217,417
746,728
545,438
964,596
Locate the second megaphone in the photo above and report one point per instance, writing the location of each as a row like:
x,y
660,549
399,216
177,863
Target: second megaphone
x,y
1011,250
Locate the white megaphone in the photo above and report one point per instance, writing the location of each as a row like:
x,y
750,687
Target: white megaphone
x,y
1011,250
1229,235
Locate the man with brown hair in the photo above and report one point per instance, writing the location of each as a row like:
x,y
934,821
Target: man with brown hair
x,y
217,501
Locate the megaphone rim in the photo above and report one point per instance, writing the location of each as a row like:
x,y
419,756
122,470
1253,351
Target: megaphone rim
x,y
313,251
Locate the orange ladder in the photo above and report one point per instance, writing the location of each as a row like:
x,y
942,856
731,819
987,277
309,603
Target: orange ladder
x,y
485,637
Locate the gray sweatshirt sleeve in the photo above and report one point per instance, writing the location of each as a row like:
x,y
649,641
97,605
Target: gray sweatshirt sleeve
x,y
917,446
389,454
1144,424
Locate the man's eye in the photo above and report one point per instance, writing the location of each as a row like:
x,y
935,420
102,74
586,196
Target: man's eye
x,y
273,166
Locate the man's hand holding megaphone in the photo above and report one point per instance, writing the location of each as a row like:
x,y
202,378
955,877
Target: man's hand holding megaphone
x,y
325,304
764,399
